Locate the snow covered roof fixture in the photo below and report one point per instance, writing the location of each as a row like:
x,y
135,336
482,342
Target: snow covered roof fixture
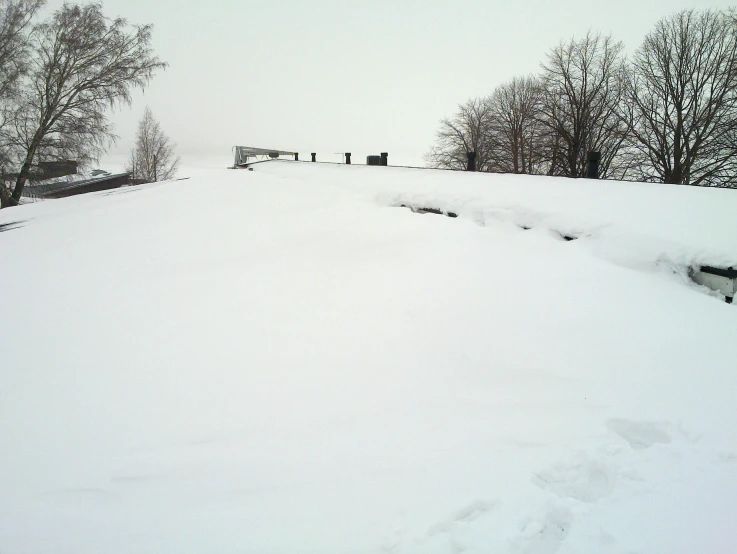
x,y
382,159
718,279
243,153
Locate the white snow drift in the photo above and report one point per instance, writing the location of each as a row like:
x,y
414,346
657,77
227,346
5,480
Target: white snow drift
x,y
285,361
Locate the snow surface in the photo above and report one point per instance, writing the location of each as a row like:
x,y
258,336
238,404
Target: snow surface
x,y
283,361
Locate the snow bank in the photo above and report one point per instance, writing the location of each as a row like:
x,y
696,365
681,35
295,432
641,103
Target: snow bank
x,y
280,360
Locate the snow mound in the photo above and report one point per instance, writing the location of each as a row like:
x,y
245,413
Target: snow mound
x,y
286,360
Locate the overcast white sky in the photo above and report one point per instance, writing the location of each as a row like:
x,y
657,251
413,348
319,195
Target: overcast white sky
x,y
331,76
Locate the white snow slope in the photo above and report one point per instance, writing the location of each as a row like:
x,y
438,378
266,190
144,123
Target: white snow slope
x,y
282,361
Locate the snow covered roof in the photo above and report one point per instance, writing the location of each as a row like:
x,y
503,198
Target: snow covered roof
x,y
286,360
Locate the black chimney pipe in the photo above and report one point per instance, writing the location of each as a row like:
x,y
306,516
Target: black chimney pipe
x,y
592,167
471,165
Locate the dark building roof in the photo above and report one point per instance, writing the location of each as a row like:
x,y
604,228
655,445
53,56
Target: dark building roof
x,y
63,189
49,170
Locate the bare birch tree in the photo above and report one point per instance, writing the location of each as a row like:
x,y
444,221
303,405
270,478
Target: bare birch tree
x,y
681,101
15,24
83,64
153,157
15,21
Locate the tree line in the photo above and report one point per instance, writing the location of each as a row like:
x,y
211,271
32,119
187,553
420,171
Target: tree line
x,y
58,79
667,114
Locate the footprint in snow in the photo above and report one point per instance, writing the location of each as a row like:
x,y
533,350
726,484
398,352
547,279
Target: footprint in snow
x,y
546,535
584,480
640,434
727,457
467,514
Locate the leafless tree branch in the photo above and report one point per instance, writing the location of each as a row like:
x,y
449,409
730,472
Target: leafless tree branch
x,y
681,100
83,65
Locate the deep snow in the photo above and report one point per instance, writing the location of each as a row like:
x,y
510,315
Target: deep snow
x,y
282,361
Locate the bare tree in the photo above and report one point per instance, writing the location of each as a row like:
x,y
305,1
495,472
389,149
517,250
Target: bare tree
x,y
83,64
515,133
681,101
153,158
467,131
583,86
15,19
15,22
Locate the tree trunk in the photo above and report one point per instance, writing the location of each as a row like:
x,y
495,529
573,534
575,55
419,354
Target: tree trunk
x,y
25,170
5,198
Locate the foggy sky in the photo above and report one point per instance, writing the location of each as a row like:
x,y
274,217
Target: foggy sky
x,y
332,76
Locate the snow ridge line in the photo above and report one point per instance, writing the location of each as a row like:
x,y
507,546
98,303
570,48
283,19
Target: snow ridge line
x,y
425,210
